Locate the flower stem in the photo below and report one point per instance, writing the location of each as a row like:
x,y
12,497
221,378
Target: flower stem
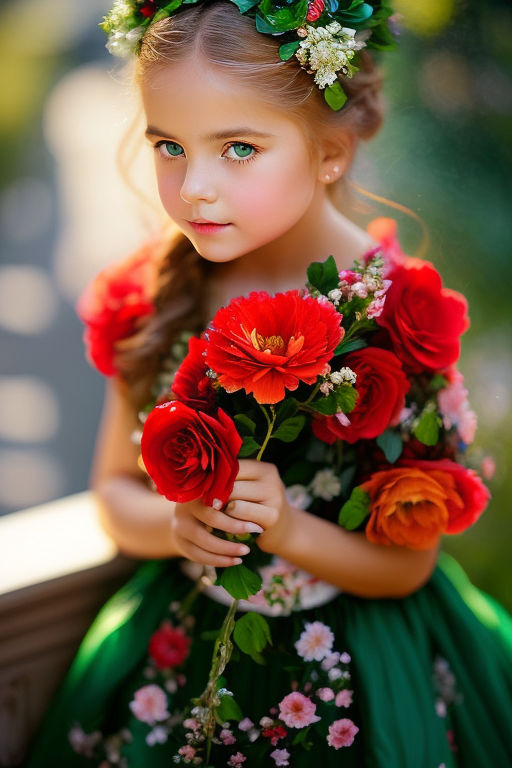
x,y
270,421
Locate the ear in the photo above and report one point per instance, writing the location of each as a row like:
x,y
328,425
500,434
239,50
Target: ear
x,y
336,157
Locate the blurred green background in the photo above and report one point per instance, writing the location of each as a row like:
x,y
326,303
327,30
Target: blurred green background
x,y
444,151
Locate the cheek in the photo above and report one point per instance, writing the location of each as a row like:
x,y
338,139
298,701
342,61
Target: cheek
x,y
169,187
276,192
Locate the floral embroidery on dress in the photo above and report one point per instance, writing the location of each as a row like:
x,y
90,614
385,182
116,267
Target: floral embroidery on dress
x,y
445,684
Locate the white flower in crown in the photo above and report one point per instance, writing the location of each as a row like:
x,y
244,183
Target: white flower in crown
x,y
122,28
327,51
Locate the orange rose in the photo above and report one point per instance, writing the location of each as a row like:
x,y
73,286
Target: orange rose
x,y
409,507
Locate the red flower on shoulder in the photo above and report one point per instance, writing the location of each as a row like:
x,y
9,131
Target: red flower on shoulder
x,y
114,303
424,319
267,344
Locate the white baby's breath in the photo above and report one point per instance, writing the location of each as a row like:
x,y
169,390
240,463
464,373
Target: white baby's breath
x,y
327,51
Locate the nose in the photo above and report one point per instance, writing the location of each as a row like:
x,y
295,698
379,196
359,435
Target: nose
x,y
198,185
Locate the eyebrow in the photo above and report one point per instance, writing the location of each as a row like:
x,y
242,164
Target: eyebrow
x,y
243,131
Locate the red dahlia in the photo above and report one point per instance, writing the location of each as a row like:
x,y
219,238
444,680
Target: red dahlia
x,y
266,344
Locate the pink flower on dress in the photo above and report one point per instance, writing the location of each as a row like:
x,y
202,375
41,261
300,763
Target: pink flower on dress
x,y
326,694
246,724
227,736
280,756
330,661
488,467
149,704
341,733
297,710
344,698
236,760
315,642
188,752
454,406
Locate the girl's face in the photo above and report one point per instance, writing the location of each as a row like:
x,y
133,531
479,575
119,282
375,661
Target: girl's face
x,y
223,156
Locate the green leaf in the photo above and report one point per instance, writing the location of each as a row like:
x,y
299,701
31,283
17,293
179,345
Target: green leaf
x,y
249,447
427,428
287,50
240,582
335,96
344,347
346,397
245,5
290,429
438,382
286,409
228,709
247,425
354,511
282,18
302,738
252,633
391,443
323,275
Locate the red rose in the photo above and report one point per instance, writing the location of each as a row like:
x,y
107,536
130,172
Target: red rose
x,y
169,646
266,344
190,384
114,303
381,386
474,494
190,454
425,320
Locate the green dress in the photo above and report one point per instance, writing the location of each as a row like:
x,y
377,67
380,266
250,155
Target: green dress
x,y
431,677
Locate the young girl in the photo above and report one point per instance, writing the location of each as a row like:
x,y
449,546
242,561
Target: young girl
x,y
249,149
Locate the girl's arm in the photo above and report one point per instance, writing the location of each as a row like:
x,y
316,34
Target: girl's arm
x,y
142,522
349,561
324,549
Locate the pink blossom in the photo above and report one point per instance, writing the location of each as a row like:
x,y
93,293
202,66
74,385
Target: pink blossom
x,y
150,704
246,724
236,760
280,756
488,467
326,694
191,724
343,419
297,710
345,658
227,736
315,642
348,276
330,660
341,733
454,407
344,698
188,752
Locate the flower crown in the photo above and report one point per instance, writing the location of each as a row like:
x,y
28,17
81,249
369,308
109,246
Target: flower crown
x,y
324,35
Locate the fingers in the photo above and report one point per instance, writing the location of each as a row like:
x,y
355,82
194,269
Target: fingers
x,y
224,522
198,555
204,546
259,513
250,469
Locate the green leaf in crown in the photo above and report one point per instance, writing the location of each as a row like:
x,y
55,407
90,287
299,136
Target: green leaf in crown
x,y
284,15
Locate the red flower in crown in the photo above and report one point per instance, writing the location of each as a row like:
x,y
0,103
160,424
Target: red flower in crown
x,y
424,319
169,646
191,385
114,304
381,386
315,10
267,344
148,9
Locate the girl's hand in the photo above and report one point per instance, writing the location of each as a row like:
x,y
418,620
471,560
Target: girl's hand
x,y
259,496
191,526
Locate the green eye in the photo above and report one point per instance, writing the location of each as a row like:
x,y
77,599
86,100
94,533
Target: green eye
x,y
172,148
242,151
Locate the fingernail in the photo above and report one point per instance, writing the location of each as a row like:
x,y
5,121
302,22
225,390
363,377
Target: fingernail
x,y
237,561
217,504
253,528
244,549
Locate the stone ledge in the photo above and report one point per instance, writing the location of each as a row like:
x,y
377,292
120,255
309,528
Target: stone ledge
x,y
57,567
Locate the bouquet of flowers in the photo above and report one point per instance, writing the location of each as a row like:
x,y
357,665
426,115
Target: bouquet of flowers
x,y
350,387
